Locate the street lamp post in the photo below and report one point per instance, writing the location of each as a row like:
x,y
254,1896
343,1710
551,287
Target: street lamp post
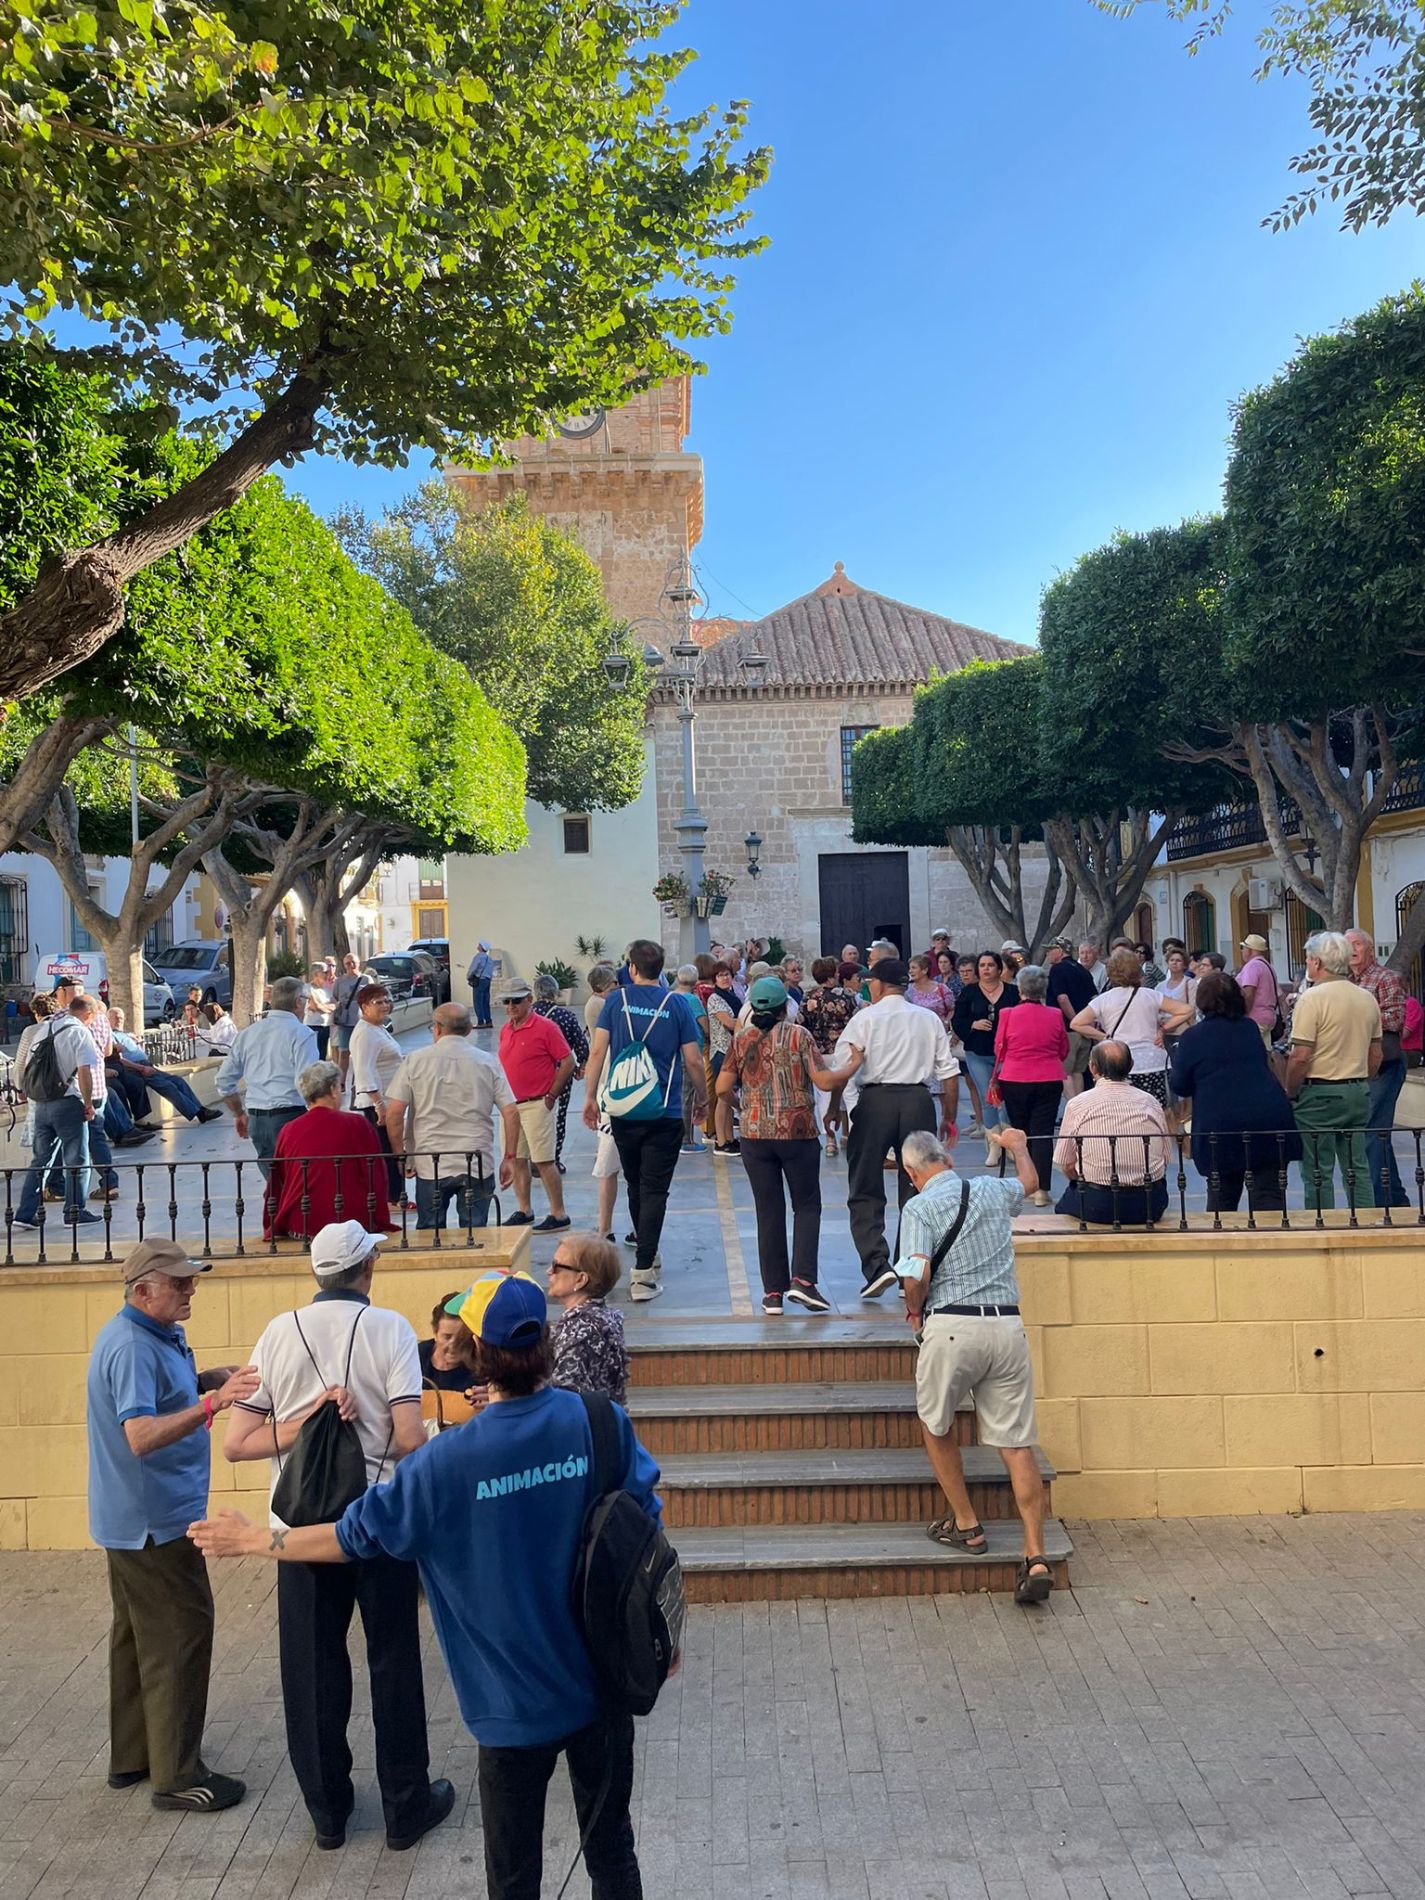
x,y
690,827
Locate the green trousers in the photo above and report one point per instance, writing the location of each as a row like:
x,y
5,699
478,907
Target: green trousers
x,y
1329,1114
160,1652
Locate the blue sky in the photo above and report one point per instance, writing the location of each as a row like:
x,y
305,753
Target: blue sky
x,y
1017,274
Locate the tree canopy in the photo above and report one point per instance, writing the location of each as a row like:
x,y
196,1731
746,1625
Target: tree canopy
x,y
437,224
519,603
1365,63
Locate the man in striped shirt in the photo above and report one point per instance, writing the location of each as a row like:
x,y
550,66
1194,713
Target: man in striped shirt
x,y
1113,1146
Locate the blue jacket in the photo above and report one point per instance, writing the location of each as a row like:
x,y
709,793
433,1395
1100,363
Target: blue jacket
x,y
491,1513
1241,1116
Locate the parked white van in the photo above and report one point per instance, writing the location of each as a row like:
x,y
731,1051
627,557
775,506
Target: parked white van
x,y
91,969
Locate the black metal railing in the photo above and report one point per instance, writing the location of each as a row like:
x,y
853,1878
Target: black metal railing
x,y
1226,829
1128,1187
246,1209
1408,791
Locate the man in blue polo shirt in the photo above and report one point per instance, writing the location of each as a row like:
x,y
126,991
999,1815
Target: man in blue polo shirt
x,y
149,1414
644,1010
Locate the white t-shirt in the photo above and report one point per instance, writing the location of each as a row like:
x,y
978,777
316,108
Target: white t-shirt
x,y
318,1011
385,1370
454,1088
1138,1028
744,1015
375,1058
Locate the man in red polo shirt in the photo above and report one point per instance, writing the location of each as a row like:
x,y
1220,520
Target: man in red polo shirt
x,y
537,1062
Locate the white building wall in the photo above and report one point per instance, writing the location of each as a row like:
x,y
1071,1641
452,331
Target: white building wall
x,y
531,904
50,916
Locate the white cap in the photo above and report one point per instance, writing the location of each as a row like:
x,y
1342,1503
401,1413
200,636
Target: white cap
x,y
340,1246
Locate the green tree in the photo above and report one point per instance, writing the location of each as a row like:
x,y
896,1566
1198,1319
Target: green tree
x,y
965,772
1365,63
520,604
436,225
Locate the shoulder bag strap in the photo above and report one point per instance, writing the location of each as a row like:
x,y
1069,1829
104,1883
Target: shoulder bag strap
x,y
603,1430
954,1234
648,1027
1121,1014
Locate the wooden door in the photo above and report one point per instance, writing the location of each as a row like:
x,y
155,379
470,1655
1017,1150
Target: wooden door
x,y
864,894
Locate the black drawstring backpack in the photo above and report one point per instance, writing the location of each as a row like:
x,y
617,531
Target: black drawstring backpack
x,y
326,1467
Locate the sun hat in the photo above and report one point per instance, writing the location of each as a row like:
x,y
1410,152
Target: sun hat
x,y
162,1256
340,1246
1256,944
502,1309
516,987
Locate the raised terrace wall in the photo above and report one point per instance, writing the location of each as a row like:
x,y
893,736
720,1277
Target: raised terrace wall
x,y
1179,1375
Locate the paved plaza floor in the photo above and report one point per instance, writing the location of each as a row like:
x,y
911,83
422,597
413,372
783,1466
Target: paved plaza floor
x,y
1230,1708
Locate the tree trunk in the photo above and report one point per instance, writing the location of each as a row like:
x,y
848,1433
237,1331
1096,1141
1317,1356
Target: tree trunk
x,y
77,601
32,785
1000,886
249,955
1108,877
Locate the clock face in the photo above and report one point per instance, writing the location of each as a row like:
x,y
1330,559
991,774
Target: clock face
x,y
576,428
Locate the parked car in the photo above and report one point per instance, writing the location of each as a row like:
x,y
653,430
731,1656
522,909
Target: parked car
x,y
205,963
438,950
91,968
407,975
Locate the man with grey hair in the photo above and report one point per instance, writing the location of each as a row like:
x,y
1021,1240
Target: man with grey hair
x,y
148,1416
957,1275
258,1076
1114,1146
1336,1038
1091,959
440,1116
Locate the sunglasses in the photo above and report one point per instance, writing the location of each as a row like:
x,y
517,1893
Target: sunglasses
x,y
514,1002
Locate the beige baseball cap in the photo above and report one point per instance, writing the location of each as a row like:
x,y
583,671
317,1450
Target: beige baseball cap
x,y
162,1256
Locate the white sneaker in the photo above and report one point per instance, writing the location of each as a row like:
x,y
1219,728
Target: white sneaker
x,y
644,1286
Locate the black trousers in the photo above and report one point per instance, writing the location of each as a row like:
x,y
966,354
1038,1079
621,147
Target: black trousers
x,y
648,1154
885,1113
513,1784
395,1180
160,1653
1034,1107
798,1164
1264,1191
314,1606
1102,1206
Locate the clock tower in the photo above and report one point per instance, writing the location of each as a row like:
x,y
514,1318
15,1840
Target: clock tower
x,y
621,481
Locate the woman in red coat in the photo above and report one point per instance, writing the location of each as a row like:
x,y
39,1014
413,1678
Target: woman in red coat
x,y
329,1165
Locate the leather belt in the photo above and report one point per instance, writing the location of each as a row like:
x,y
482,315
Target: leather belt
x,y
980,1312
1332,1081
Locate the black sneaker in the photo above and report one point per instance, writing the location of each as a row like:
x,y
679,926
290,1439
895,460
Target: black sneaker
x,y
772,1303
883,1281
209,1796
210,1115
442,1800
630,1239
519,1219
549,1225
727,1148
805,1294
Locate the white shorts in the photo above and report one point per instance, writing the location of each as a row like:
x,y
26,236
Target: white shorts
x,y
606,1163
536,1142
963,1356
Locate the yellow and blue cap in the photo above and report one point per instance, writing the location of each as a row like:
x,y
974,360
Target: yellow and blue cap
x,y
503,1309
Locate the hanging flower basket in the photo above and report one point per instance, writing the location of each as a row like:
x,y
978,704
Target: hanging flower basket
x,y
717,906
713,888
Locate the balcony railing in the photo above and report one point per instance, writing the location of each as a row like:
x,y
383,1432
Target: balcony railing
x,y
1228,828
1408,792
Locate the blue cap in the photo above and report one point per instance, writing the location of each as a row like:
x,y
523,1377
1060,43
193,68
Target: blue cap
x,y
503,1309
768,992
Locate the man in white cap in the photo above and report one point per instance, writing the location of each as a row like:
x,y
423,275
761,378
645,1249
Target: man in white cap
x,y
364,1359
1258,981
149,1414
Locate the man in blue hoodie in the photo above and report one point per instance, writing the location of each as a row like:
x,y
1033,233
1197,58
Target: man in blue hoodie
x,y
492,1514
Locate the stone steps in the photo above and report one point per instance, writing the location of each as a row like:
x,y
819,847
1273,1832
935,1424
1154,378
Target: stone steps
x,y
793,1463
718,1489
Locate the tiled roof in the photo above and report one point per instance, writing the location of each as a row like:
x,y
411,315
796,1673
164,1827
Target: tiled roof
x,y
844,635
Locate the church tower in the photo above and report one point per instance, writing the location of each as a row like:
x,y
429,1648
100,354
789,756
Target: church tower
x,y
622,482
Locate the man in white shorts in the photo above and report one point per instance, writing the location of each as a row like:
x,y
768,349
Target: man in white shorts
x,y
965,1301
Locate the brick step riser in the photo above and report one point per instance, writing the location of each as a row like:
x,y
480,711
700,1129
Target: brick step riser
x,y
856,1580
787,1365
819,1431
827,1504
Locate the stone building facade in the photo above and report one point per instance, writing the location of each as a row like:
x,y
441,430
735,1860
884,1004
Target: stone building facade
x,y
841,660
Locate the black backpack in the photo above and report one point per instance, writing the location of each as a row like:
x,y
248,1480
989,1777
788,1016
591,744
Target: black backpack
x,y
628,1589
326,1467
43,1079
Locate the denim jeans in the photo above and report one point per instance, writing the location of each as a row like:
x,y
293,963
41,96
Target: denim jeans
x,y
433,1200
59,1122
482,1000
1385,1088
174,1089
982,1068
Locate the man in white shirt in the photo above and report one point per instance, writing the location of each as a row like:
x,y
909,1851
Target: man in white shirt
x,y
440,1116
904,1048
63,1123
365,1360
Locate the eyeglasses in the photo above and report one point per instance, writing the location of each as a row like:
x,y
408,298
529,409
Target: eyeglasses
x,y
562,1266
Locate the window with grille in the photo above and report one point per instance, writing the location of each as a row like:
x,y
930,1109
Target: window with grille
x,y
14,928
849,737
576,836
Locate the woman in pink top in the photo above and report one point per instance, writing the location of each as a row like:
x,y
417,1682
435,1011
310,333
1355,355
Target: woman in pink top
x,y
1031,1043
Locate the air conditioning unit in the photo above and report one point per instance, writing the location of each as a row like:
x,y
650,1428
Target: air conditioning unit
x,y
1263,894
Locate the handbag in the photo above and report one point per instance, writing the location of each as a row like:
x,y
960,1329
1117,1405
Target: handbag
x,y
326,1468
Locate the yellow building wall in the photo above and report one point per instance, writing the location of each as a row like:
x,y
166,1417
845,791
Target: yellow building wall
x,y
49,1318
1225,1374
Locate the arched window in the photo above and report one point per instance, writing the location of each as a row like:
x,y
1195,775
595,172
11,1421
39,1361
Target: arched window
x,y
1199,923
